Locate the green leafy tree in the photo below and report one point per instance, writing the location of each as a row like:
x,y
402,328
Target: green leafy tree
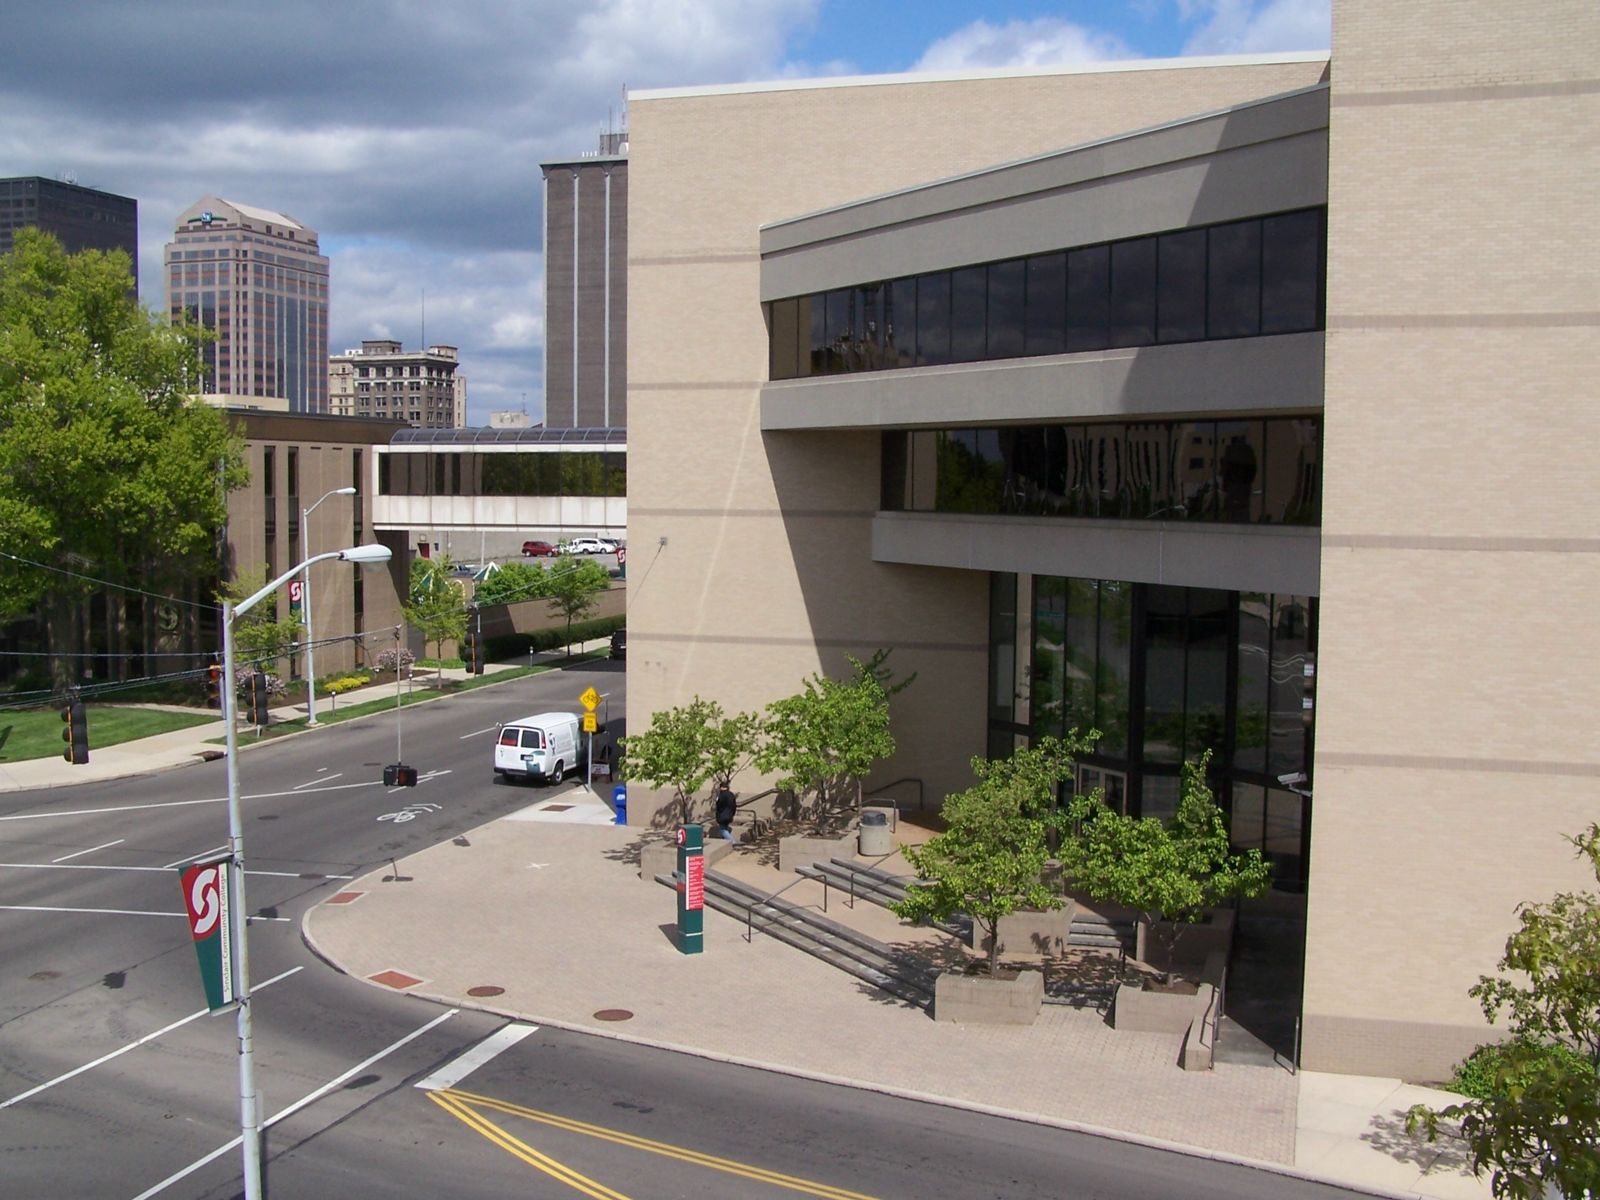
x,y
987,862
1538,1126
511,582
1036,773
108,466
689,746
260,639
437,605
825,738
1169,872
573,587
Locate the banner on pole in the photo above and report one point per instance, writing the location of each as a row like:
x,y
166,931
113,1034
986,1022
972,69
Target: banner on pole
x,y
207,897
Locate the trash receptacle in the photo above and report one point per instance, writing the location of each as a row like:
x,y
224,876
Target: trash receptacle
x,y
619,801
876,838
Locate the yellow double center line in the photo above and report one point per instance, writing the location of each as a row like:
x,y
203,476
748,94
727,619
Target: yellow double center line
x,y
457,1102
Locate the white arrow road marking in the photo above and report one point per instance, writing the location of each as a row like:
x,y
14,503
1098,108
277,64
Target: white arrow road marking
x,y
465,1064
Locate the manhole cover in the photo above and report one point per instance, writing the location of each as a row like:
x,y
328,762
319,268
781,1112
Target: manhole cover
x,y
613,1014
487,989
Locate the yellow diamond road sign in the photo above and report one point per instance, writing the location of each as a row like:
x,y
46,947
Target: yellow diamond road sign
x,y
589,699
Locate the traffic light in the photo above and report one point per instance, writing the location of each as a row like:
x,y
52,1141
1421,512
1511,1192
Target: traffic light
x,y
76,734
473,653
256,698
399,775
214,686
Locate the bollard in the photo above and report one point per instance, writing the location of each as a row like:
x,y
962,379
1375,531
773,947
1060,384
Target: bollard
x,y
619,801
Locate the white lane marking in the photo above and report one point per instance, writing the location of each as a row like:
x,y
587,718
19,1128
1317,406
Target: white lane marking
x,y
120,808
477,732
90,850
134,1045
110,912
310,1098
324,779
465,1064
58,865
189,858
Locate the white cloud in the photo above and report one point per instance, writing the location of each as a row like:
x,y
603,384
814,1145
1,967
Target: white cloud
x,y
1252,27
1038,43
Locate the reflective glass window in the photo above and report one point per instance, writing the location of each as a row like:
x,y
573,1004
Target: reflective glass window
x,y
1247,821
1081,661
1240,447
1290,686
866,351
1291,476
1046,300
1253,670
1051,671
1283,825
900,324
1149,481
1133,293
1159,797
1233,280
894,470
1028,469
1088,297
1181,286
1291,277
1165,618
933,319
1206,673
1006,307
967,314
970,474
785,317
819,334
1194,467
1107,466
1002,646
839,330
1112,688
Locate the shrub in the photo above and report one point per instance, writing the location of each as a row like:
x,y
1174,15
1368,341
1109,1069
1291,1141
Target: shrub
x,y
275,686
345,683
508,646
1488,1070
387,659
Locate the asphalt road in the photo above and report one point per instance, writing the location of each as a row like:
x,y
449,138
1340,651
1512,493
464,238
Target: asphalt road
x,y
114,1084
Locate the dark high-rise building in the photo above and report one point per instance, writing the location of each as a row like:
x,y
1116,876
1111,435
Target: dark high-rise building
x,y
586,288
81,218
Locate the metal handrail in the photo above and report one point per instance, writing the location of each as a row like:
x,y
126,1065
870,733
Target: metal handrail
x,y
749,909
907,779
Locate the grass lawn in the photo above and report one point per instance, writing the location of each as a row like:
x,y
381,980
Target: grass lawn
x,y
36,733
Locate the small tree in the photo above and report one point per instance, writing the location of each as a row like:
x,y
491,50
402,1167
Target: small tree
x,y
573,587
1037,772
259,637
511,582
988,861
688,746
1170,873
437,605
825,738
1539,1127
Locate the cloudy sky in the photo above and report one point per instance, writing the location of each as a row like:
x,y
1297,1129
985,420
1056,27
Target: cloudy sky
x,y
409,133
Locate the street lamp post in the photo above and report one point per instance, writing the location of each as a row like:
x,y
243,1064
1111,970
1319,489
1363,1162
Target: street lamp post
x,y
249,1112
311,633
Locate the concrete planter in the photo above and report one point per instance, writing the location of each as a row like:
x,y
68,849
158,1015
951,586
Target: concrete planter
x,y
661,857
1196,943
987,999
802,849
1034,932
1140,1011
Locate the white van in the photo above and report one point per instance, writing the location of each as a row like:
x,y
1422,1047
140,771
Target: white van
x,y
544,746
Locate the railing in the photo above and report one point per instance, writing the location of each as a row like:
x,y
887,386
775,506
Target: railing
x,y
750,909
897,782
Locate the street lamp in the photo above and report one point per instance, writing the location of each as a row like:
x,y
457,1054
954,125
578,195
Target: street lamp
x,y
249,1113
311,633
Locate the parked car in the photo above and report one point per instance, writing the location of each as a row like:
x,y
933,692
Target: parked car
x,y
619,643
537,549
586,545
544,746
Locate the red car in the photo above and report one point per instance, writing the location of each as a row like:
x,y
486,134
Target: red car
x,y
538,549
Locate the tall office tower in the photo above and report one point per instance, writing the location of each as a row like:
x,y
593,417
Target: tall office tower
x,y
257,278
81,218
586,288
382,380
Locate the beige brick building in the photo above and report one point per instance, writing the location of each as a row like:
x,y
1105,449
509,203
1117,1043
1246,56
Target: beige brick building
x,y
1237,405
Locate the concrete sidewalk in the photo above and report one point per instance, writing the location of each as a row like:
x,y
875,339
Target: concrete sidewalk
x,y
577,934
579,940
